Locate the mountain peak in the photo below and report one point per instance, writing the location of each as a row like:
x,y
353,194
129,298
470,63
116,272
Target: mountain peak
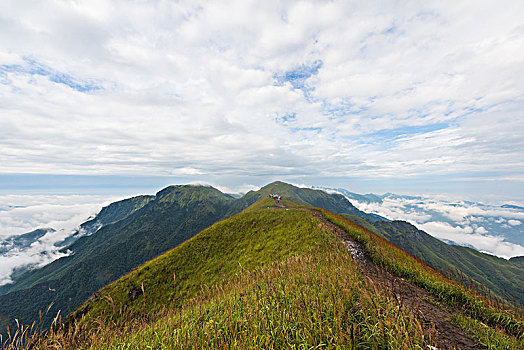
x,y
278,184
174,192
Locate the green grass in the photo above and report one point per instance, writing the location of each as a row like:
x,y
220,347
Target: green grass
x,y
445,290
265,278
475,269
268,278
489,337
245,241
316,299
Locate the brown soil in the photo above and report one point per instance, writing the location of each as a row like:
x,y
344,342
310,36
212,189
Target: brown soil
x,y
434,319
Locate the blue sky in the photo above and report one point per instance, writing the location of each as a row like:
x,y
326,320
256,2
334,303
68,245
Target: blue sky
x,y
403,96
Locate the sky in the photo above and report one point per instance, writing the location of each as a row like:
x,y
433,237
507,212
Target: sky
x,y
373,96
491,229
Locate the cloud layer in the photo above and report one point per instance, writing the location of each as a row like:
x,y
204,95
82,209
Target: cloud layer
x,y
487,228
24,213
275,88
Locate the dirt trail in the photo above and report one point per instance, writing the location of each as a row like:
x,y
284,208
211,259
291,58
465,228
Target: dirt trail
x,y
414,298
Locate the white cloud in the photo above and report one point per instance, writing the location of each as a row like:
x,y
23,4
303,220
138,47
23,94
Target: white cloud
x,y
457,221
37,255
189,88
481,230
393,209
464,236
25,213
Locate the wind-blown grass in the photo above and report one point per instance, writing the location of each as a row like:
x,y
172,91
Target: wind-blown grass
x,y
265,278
444,289
314,300
487,336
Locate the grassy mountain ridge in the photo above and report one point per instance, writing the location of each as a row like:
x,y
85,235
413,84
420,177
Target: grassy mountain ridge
x,y
283,279
499,275
264,278
244,241
164,221
306,196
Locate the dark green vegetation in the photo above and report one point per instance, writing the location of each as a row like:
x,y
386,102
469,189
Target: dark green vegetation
x,y
505,278
112,213
518,260
176,214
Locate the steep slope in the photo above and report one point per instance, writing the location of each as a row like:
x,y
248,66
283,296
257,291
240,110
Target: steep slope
x,y
279,277
110,214
517,260
499,275
495,273
245,241
176,214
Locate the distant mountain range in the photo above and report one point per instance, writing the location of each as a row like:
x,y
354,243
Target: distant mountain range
x,y
504,221
128,233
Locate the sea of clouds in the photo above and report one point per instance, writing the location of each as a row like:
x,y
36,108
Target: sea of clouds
x,y
20,214
488,228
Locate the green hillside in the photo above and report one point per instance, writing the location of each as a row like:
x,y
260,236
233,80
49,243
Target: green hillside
x,y
334,202
503,277
273,278
110,214
176,214
143,227
517,260
253,238
133,231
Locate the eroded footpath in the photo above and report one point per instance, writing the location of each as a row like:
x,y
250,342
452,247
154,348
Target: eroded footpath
x,y
422,304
